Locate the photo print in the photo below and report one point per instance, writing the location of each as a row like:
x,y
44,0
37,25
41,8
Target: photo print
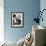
x,y
17,19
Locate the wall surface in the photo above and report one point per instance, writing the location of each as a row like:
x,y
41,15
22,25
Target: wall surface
x,y
29,7
43,6
1,20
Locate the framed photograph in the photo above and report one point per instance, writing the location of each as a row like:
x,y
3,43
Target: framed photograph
x,y
17,19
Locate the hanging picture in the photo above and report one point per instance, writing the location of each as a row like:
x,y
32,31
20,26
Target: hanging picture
x,y
17,19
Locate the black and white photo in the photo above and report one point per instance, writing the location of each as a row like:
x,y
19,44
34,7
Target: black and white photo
x,y
17,19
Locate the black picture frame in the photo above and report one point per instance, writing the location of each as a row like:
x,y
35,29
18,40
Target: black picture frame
x,y
17,19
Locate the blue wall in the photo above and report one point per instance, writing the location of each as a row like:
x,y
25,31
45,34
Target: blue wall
x,y
29,7
43,6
